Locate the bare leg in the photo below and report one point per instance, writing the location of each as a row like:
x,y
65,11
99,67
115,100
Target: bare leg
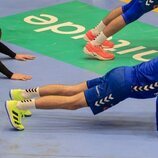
x,y
56,102
112,15
114,26
62,90
16,108
52,89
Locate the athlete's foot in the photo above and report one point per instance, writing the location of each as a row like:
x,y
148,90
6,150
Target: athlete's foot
x,y
17,94
90,37
14,114
97,52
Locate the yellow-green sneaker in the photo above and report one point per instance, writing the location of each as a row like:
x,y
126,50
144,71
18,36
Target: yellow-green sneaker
x,y
27,113
14,114
16,94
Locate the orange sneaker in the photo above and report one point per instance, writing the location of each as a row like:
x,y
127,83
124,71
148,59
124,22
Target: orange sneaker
x,y
108,44
98,52
89,37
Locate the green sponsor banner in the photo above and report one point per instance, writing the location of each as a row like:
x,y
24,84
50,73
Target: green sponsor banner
x,y
57,31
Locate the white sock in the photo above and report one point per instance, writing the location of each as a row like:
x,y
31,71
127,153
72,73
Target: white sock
x,y
26,104
31,93
100,27
99,39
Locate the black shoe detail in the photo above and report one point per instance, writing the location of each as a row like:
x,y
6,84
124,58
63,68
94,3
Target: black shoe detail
x,y
15,113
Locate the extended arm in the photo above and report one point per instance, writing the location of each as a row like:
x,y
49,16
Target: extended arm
x,y
5,50
5,71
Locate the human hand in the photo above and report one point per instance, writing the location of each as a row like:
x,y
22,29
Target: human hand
x,y
24,57
23,77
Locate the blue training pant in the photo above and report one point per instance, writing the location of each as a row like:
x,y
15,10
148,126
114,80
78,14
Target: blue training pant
x,y
136,8
105,92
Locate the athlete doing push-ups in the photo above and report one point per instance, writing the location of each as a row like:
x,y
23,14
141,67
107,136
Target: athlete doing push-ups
x,y
99,94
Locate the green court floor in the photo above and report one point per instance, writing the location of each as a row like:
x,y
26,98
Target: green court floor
x,y
50,32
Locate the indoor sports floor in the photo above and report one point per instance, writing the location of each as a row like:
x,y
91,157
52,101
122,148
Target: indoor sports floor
x,y
127,130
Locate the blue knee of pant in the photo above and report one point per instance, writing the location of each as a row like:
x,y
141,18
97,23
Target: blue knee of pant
x,y
127,6
132,15
135,9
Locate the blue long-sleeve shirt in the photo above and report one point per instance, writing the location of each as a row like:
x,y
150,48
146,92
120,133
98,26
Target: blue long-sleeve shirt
x,y
143,79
